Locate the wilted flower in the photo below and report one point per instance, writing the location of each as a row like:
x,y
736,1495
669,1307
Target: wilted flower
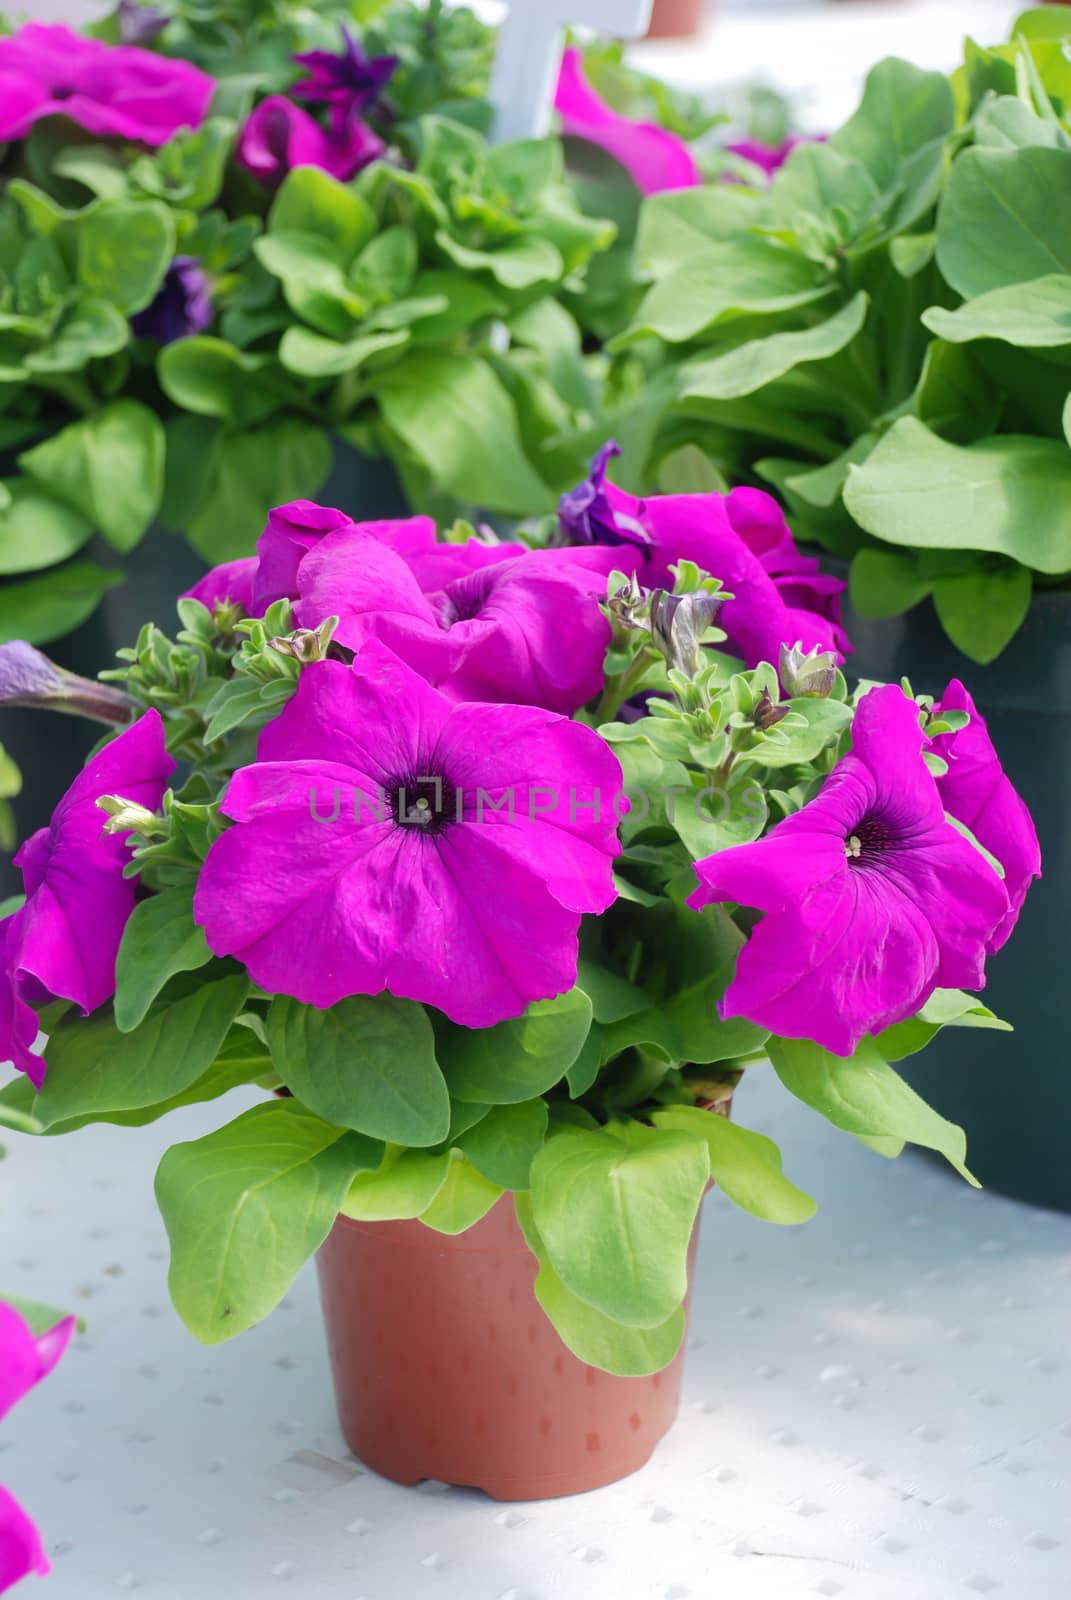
x,y
466,842
63,942
29,678
654,157
24,1361
872,899
591,513
278,136
182,305
47,70
977,792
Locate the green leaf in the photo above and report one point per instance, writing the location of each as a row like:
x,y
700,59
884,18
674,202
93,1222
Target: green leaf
x,y
37,530
368,1063
591,1335
313,355
745,1165
124,251
863,1095
109,466
689,471
734,276
503,1144
616,1218
446,408
611,997
886,583
705,1036
160,940
246,1206
1008,495
520,263
1000,221
1035,315
903,110
982,611
753,365
401,1187
310,201
213,379
465,1196
946,1008
86,330
250,471
519,1059
44,608
94,1069
679,223
1067,420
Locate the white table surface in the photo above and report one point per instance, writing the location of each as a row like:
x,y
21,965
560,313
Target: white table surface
x,y
877,1406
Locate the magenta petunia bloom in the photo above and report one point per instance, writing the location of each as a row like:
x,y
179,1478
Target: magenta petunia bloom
x,y
385,830
978,793
528,631
770,158
702,528
278,135
25,1360
759,520
347,80
63,942
231,583
47,70
654,157
872,898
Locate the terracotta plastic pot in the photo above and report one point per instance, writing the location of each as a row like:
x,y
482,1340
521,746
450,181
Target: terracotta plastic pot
x,y
676,19
446,1367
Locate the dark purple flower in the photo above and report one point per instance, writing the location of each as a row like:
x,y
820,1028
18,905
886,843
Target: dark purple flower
x,y
278,136
588,515
349,81
183,304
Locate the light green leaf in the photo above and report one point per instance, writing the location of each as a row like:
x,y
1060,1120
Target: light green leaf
x,y
446,408
401,1187
685,222
94,1069
886,583
37,530
213,379
311,201
124,250
616,1218
1009,495
54,604
520,263
1035,315
518,1059
753,365
246,1206
903,109
503,1144
86,330
464,1197
745,1165
734,276
160,940
109,466
863,1095
982,611
251,471
998,223
946,1008
312,355
589,1334
368,1063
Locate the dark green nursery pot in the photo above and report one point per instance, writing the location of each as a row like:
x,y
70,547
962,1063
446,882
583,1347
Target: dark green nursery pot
x,y
1012,1092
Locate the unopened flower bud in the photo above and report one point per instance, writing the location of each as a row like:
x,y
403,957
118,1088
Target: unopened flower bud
x,y
808,674
226,615
678,623
767,714
29,678
628,606
305,645
126,816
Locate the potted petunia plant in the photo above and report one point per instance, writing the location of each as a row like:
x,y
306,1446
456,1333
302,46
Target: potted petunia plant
x,y
490,870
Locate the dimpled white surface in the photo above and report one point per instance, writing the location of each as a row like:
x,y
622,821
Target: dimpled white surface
x,y
877,1406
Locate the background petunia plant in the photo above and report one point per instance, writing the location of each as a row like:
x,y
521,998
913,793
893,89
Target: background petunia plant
x,y
492,869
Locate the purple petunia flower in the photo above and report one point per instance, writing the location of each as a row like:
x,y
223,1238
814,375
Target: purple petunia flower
x,y
384,829
655,158
48,71
716,532
872,899
760,522
527,630
63,942
277,136
347,80
977,792
182,306
24,1361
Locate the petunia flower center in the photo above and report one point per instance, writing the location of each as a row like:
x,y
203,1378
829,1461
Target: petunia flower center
x,y
425,802
465,598
869,841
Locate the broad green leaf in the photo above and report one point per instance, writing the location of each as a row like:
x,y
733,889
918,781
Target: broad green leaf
x,y
616,1218
313,355
368,1063
819,182
592,1336
54,604
998,223
86,330
734,276
246,1206
863,1095
611,997
886,583
464,1197
946,1008
903,109
403,1185
1006,123
753,365
212,379
685,222
124,250
520,263
247,472
109,466
314,284
956,397
982,611
1035,315
519,1059
745,1165
311,201
160,939
1009,495
503,1144
446,408
689,470
94,1069
38,530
